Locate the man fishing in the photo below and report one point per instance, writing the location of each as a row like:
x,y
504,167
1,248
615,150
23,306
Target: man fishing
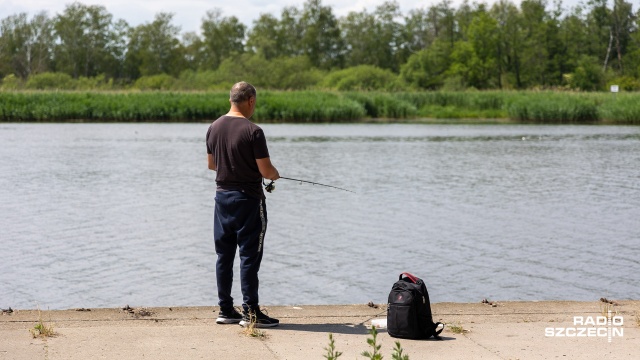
x,y
237,151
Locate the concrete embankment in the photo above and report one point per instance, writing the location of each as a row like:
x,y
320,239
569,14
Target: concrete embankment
x,y
508,330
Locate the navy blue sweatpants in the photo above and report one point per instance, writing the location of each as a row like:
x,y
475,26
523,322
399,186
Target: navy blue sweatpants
x,y
240,221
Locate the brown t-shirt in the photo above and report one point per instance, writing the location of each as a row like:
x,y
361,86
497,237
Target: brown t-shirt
x,y
236,143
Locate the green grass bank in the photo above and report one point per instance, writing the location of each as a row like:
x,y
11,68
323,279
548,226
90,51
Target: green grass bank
x,y
325,106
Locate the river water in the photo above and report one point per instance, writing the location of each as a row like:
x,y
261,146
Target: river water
x,y
105,215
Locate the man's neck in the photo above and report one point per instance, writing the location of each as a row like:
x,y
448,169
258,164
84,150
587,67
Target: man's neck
x,y
235,113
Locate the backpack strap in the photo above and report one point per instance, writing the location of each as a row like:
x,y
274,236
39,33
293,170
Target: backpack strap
x,y
410,277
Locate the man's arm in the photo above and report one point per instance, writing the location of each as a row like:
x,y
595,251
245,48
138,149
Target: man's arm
x,y
212,163
267,170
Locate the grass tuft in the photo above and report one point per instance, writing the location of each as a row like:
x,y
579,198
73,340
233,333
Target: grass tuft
x,y
41,329
608,307
252,331
457,328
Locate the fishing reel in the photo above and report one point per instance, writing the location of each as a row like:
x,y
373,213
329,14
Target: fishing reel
x,y
270,186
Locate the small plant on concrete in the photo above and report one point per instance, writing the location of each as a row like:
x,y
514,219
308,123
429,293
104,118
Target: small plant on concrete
x,y
332,354
373,342
397,353
457,328
251,330
608,308
41,329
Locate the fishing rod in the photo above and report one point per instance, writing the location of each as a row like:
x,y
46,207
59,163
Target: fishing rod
x,y
270,186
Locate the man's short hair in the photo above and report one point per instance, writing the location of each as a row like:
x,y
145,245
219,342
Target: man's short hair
x,y
241,91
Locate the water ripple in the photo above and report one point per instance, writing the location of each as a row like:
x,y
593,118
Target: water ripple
x,y
100,215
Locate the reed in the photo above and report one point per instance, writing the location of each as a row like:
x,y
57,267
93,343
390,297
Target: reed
x,y
169,106
322,106
106,107
306,106
457,105
553,107
620,109
481,100
384,105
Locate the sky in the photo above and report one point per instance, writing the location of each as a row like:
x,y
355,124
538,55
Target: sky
x,y
188,14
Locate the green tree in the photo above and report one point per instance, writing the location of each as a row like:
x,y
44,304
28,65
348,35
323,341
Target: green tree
x,y
535,55
321,38
599,33
427,68
251,67
417,31
588,75
423,26
362,77
223,37
509,45
116,49
285,73
557,55
632,56
291,32
154,48
573,35
292,73
193,50
537,43
25,46
264,38
622,28
443,22
50,81
84,33
374,38
272,38
483,35
464,15
475,60
358,29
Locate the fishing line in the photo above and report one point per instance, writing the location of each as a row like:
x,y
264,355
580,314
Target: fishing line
x,y
270,186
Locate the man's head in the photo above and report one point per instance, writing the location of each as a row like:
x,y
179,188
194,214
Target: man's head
x,y
243,98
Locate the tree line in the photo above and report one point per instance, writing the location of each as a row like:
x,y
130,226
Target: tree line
x,y
476,45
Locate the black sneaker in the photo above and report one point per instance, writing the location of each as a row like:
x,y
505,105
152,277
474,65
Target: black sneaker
x,y
260,319
228,316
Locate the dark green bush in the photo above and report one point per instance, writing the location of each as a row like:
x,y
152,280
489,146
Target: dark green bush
x,y
363,77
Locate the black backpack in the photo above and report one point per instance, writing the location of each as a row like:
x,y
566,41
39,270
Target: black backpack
x,y
409,312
